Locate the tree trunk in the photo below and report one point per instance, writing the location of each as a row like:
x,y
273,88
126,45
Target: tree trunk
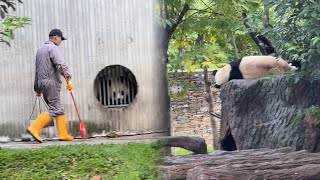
x,y
253,35
235,48
209,98
242,165
264,44
267,114
166,34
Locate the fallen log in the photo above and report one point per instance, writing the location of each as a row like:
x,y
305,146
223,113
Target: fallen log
x,y
245,164
195,144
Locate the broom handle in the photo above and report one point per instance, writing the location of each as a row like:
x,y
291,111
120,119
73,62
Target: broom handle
x,y
74,101
75,105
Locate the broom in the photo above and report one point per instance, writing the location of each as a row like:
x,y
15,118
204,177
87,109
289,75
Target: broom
x,y
83,129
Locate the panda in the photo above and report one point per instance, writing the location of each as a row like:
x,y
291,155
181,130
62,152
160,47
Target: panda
x,y
249,67
296,63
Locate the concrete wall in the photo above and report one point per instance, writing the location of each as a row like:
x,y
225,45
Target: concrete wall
x,y
99,33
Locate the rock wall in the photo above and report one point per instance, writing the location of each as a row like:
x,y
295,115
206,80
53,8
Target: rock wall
x,y
189,108
263,114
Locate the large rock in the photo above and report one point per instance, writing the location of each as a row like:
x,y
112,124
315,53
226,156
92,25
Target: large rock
x,y
261,114
243,165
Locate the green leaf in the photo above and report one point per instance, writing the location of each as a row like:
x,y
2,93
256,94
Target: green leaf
x,y
315,41
10,24
168,22
6,42
239,32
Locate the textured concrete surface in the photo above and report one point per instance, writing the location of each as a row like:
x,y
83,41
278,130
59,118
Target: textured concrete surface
x,y
97,140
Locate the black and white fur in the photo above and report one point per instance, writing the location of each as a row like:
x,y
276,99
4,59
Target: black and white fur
x,y
249,67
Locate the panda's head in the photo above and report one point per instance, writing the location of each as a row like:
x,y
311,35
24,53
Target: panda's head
x,y
221,75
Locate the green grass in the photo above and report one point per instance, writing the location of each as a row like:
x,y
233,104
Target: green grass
x,y
315,111
312,110
183,152
114,161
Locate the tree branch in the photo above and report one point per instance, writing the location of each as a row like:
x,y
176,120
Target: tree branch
x,y
266,15
166,9
209,98
172,10
235,48
252,34
161,11
204,3
203,10
178,20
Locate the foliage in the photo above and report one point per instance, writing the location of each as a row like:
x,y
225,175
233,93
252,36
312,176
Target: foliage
x,y
184,52
127,161
218,21
312,110
8,24
192,56
297,32
291,25
298,117
290,73
294,78
6,5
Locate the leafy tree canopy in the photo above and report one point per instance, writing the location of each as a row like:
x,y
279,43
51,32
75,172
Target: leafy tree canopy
x,y
10,23
292,26
297,27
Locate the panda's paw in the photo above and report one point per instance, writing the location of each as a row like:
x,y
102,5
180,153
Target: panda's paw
x,y
217,86
292,67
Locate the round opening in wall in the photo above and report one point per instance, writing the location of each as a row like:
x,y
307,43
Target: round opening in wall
x,y
115,86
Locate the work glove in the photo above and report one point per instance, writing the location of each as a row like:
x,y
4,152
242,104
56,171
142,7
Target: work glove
x,y
36,89
70,86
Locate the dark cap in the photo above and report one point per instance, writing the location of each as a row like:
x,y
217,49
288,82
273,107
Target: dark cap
x,y
57,32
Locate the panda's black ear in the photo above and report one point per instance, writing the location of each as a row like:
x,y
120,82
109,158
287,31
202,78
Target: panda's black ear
x,y
214,72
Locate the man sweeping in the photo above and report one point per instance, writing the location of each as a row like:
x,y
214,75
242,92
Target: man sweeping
x,y
50,66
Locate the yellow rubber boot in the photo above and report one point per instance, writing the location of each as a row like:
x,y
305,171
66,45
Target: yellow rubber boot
x,y
62,128
42,120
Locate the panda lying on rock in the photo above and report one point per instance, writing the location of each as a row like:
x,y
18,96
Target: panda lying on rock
x,y
251,67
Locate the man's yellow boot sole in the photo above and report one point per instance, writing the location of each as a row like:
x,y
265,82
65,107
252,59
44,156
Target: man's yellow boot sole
x,y
35,135
42,120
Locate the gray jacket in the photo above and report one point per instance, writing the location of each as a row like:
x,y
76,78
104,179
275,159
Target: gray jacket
x,y
50,64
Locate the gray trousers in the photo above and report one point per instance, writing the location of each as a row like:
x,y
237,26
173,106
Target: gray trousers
x,y
51,95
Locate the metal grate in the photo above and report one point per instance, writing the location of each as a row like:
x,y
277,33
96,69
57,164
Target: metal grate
x,y
115,86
